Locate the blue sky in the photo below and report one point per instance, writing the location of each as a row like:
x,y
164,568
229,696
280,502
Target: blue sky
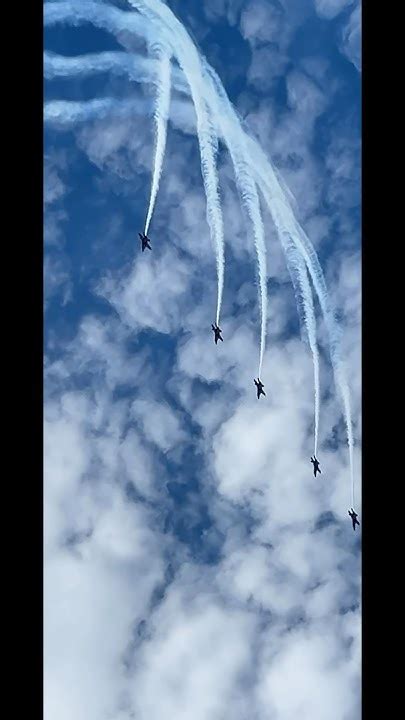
x,y
193,566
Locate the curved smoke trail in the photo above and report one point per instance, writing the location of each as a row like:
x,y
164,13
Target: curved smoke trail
x,y
294,260
303,294
65,113
189,61
160,117
143,71
70,112
136,67
118,22
286,222
106,17
287,226
55,65
248,191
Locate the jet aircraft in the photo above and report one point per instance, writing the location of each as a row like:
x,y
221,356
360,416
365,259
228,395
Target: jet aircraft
x,y
259,386
315,463
217,332
145,241
353,516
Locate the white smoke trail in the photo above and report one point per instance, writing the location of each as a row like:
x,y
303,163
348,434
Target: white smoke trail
x,y
303,293
275,196
118,22
55,65
66,113
160,117
236,138
189,61
287,225
136,67
70,112
106,17
310,322
287,222
248,191
344,389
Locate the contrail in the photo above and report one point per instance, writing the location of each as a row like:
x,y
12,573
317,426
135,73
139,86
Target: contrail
x,y
235,142
160,117
310,323
189,61
236,137
286,224
70,112
136,67
118,22
141,70
77,12
303,293
191,64
276,197
66,113
56,65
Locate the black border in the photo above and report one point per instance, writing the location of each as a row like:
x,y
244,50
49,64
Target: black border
x,y
379,573
22,214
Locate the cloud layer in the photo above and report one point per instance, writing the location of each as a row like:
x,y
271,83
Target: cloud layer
x,y
194,567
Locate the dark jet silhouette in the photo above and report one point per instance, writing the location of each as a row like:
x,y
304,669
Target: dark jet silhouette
x,y
145,241
315,463
217,332
353,516
259,386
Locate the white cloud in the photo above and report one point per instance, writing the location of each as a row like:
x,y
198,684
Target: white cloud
x,y
55,167
54,187
351,37
153,294
304,97
90,456
323,684
194,659
261,22
159,422
105,581
216,10
288,139
139,465
351,30
136,625
89,601
56,279
274,22
267,64
329,9
342,162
